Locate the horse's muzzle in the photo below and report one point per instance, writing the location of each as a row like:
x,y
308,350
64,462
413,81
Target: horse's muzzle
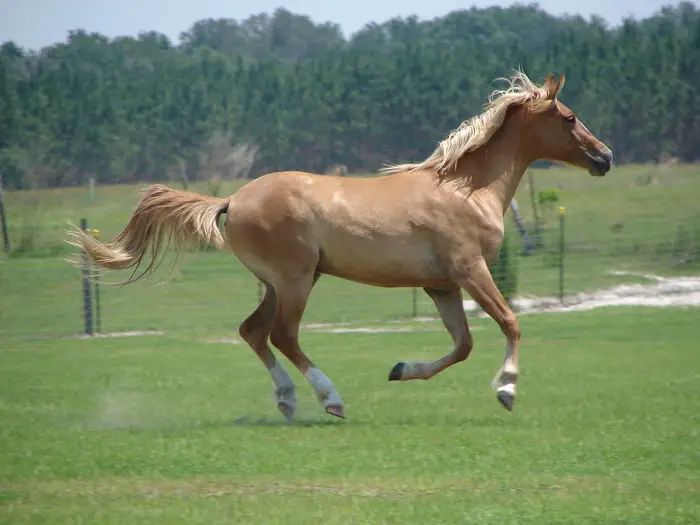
x,y
599,163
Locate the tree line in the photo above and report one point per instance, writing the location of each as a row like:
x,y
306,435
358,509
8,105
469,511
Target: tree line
x,y
306,97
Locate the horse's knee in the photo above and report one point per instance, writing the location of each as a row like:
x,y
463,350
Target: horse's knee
x,y
511,327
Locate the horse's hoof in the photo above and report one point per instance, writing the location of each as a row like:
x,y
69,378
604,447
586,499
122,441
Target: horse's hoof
x,y
287,411
336,410
397,372
506,399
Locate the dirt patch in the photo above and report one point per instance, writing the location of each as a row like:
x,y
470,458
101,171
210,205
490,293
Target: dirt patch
x,y
373,330
660,292
132,333
224,340
118,410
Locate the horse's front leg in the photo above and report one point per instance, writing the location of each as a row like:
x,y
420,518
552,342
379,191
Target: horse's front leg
x,y
480,285
451,309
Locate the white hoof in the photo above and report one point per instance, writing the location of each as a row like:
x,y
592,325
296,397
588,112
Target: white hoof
x,y
325,392
333,404
286,410
504,386
286,401
506,396
284,390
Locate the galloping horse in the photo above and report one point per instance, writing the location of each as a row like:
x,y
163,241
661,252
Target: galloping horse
x,y
437,224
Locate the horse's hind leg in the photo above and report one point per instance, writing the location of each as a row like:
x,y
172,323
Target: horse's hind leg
x,y
292,296
255,330
449,305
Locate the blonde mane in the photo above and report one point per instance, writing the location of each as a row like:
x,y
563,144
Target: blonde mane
x,y
478,130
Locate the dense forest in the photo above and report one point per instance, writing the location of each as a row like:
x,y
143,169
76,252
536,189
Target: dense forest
x,y
301,95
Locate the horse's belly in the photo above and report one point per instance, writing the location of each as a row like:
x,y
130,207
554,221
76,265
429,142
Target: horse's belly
x,y
382,261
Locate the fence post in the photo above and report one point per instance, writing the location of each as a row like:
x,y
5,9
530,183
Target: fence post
x,y
91,189
87,295
562,213
260,291
538,223
414,310
98,316
3,220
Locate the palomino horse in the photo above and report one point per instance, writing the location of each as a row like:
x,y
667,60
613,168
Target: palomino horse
x,y
437,224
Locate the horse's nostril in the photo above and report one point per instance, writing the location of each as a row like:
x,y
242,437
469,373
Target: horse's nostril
x,y
608,156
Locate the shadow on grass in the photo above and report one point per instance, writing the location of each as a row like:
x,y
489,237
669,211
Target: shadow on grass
x,y
243,421
328,421
322,421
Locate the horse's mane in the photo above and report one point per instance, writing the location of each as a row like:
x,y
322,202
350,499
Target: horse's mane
x,y
478,130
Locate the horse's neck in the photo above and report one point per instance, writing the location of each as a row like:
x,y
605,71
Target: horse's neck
x,y
507,182
497,169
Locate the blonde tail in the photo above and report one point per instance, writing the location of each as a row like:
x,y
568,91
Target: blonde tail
x,y
184,217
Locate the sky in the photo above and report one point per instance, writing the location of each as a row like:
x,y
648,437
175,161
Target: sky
x,y
36,23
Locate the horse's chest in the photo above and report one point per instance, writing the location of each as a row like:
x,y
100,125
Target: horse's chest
x,y
491,243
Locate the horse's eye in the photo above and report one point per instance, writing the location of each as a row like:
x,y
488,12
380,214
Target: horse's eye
x,y
570,118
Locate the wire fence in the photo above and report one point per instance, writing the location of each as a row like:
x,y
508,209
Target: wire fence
x,y
548,266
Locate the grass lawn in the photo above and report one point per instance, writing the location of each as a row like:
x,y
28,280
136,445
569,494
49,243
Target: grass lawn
x,y
180,428
173,429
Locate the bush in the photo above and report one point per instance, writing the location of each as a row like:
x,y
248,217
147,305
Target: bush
x,y
547,199
505,270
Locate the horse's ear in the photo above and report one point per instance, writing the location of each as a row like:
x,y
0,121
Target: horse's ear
x,y
553,87
548,82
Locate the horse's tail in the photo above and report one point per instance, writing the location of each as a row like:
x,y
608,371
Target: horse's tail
x,y
183,217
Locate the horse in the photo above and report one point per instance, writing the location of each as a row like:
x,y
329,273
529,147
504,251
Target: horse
x,y
436,225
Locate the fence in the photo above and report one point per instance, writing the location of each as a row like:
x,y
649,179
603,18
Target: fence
x,y
615,236
211,291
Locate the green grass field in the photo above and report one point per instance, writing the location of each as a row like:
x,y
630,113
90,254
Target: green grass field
x,y
182,427
173,429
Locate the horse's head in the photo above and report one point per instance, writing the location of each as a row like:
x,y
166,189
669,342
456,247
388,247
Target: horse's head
x,y
557,134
